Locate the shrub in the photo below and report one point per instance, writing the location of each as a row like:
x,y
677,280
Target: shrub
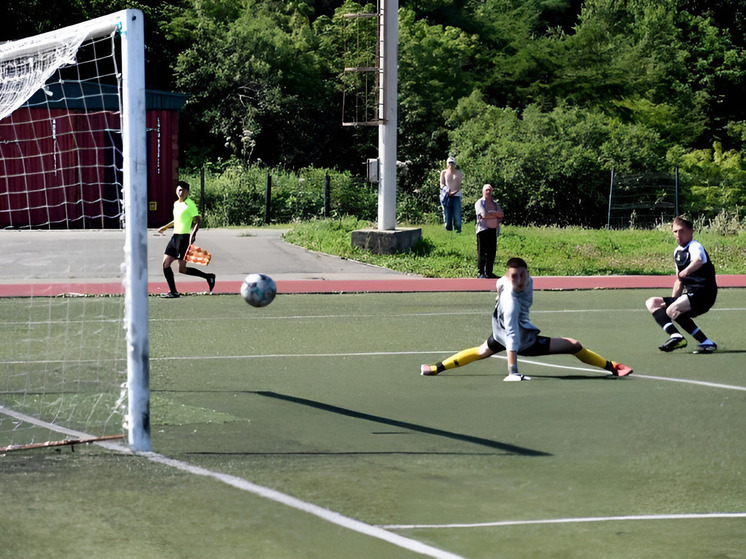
x,y
236,195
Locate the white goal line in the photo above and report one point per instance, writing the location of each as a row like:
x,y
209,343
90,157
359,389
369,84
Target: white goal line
x,y
587,519
397,353
435,352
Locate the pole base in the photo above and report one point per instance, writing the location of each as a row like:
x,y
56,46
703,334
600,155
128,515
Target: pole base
x,y
386,242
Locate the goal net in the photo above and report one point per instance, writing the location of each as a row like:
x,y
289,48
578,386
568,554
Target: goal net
x,y
73,226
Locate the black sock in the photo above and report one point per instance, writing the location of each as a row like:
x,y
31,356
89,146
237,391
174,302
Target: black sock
x,y
686,322
195,272
169,273
664,322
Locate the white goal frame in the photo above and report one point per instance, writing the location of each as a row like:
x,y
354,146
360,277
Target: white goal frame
x,y
130,26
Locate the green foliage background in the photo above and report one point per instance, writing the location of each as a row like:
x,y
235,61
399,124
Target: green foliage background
x,y
541,99
237,195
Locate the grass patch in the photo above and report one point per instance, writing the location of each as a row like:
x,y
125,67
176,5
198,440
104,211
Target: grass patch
x,y
550,251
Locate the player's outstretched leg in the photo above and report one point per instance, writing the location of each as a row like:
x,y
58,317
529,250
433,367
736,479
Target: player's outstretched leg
x,y
457,360
591,358
569,345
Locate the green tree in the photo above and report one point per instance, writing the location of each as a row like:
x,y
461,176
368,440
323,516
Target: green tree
x,y
543,95
435,64
651,63
25,18
548,167
267,93
715,179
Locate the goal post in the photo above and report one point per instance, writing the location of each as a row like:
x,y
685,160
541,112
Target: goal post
x,y
134,187
46,184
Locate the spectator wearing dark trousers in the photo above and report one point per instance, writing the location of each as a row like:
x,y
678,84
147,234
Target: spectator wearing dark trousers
x,y
489,216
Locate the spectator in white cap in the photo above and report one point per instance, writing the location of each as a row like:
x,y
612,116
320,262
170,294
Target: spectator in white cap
x,y
450,195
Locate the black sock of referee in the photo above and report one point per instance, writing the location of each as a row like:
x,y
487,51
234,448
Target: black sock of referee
x,y
665,322
196,272
169,273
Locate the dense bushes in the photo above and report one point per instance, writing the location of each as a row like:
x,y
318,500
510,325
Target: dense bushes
x,y
548,167
236,195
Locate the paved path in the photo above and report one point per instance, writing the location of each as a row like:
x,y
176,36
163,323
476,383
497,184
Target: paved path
x,y
97,255
67,259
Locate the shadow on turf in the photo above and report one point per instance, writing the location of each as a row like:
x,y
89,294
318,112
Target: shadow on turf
x,y
512,449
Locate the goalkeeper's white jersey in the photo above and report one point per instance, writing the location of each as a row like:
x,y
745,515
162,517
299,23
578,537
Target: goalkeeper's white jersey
x,y
511,325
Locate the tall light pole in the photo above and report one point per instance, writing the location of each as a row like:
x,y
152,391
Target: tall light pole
x,y
386,238
388,49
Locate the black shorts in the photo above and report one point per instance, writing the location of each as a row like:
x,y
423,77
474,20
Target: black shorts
x,y
178,245
539,347
701,301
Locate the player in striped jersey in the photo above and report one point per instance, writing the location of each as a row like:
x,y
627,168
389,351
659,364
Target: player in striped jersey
x,y
694,292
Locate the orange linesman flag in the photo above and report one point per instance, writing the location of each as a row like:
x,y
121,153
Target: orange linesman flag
x,y
197,255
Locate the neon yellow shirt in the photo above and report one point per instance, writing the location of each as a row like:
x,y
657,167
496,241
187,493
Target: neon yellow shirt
x,y
184,213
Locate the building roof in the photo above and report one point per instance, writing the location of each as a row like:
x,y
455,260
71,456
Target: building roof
x,y
93,96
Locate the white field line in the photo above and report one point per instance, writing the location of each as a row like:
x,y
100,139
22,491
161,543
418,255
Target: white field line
x,y
437,352
233,357
414,315
635,375
320,512
39,423
264,492
696,382
396,353
381,532
342,316
696,516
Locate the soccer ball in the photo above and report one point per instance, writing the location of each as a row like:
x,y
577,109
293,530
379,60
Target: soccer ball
x,y
258,290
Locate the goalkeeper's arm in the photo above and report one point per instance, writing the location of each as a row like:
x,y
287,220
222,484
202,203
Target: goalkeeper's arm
x,y
512,362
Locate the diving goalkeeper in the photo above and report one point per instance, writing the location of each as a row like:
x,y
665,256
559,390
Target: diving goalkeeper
x,y
513,332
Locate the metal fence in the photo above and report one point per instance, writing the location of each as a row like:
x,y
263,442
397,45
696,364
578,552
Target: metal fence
x,y
642,200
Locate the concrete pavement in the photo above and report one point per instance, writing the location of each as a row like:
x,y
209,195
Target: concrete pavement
x,y
95,257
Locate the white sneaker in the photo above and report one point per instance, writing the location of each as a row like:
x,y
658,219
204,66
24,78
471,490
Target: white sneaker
x,y
707,347
516,378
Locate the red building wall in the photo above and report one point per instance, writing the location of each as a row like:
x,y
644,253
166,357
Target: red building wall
x,y
163,164
58,168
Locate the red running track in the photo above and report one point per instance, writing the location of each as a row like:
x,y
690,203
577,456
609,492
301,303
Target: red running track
x,y
397,285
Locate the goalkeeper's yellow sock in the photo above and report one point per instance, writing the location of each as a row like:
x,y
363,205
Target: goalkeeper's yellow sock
x,y
457,360
591,358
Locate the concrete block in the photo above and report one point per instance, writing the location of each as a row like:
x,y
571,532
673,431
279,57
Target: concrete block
x,y
386,242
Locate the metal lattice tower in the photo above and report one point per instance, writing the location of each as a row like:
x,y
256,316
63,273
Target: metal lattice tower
x,y
362,71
